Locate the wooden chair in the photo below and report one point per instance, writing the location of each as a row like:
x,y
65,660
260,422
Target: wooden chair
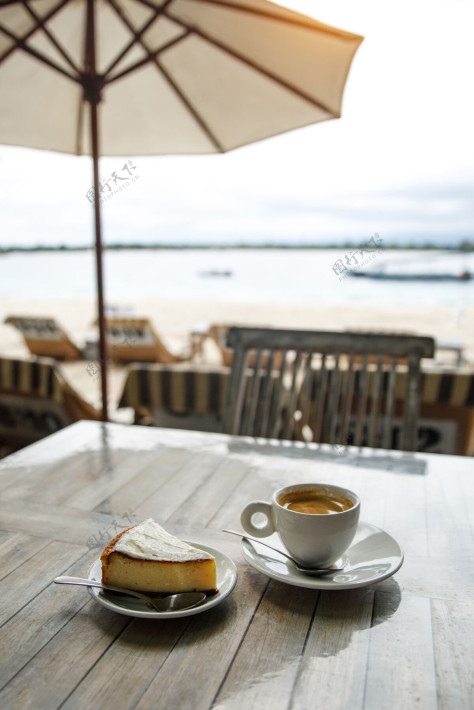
x,y
44,337
35,401
135,340
330,387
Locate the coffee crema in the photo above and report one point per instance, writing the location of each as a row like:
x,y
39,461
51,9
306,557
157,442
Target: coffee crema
x,y
313,503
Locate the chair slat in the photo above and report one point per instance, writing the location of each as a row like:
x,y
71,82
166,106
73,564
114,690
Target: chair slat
x,y
266,396
409,431
307,377
334,400
253,398
389,405
347,394
375,403
275,412
321,382
291,404
362,396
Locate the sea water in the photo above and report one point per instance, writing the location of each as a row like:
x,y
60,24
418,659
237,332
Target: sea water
x,y
290,276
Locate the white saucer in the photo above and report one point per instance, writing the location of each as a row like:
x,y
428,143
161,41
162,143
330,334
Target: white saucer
x,y
226,579
374,555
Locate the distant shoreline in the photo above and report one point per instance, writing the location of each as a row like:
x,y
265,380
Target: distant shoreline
x,y
463,247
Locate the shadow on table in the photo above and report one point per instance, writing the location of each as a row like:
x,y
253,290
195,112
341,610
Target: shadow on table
x,y
336,615
397,462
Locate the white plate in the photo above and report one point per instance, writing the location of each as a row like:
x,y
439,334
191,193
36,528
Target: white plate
x,y
374,555
226,579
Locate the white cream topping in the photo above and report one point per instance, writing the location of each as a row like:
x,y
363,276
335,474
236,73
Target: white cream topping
x,y
149,541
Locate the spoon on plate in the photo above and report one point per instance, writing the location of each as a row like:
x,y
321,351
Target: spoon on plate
x,y
173,602
313,571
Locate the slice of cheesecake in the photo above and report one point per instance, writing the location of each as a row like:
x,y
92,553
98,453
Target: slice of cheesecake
x,y
148,559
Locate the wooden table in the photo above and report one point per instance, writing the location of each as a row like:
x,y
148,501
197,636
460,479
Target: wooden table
x,y
406,642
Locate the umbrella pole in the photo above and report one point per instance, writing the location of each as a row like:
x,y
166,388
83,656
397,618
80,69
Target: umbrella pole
x,y
92,89
98,256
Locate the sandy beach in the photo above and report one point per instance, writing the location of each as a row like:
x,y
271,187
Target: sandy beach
x,y
174,321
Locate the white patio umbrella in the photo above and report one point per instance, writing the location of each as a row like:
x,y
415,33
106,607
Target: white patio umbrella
x,y
157,77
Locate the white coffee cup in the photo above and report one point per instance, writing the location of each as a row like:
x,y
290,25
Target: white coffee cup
x,y
312,538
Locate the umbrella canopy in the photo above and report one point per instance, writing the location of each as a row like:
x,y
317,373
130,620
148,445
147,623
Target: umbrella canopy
x,y
156,77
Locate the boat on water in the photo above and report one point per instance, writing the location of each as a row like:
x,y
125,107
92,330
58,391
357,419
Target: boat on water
x,y
439,266
213,273
388,276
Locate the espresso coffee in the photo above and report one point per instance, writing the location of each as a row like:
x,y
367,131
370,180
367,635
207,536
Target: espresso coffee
x,y
313,502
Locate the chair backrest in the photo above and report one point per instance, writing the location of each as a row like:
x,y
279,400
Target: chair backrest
x,y
36,401
135,340
44,337
332,387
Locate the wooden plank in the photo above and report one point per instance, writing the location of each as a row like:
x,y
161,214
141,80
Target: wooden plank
x,y
346,400
320,390
147,482
40,608
99,486
374,415
335,655
267,391
448,515
453,637
165,664
54,671
25,582
264,669
18,549
404,513
389,404
60,482
291,396
274,422
51,522
401,665
203,503
331,341
252,402
191,473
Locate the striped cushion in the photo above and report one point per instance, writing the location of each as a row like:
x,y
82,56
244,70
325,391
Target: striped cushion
x,y
451,388
38,378
179,391
437,386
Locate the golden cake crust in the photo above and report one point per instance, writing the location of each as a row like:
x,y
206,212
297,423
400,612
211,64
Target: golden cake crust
x,y
110,555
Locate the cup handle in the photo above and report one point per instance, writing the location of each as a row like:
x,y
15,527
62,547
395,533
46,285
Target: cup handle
x,y
257,506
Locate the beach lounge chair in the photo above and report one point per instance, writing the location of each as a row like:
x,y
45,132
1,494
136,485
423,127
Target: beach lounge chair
x,y
184,396
135,340
44,337
328,389
35,401
176,396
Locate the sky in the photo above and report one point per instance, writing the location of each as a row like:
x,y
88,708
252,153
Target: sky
x,y
399,163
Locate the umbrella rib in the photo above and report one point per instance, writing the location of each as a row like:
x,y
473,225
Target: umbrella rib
x,y
190,108
137,36
261,70
153,57
41,25
20,42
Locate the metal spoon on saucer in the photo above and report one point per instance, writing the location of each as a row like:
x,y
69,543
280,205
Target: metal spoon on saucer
x,y
174,602
312,571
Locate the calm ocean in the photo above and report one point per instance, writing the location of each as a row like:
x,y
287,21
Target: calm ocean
x,y
240,275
